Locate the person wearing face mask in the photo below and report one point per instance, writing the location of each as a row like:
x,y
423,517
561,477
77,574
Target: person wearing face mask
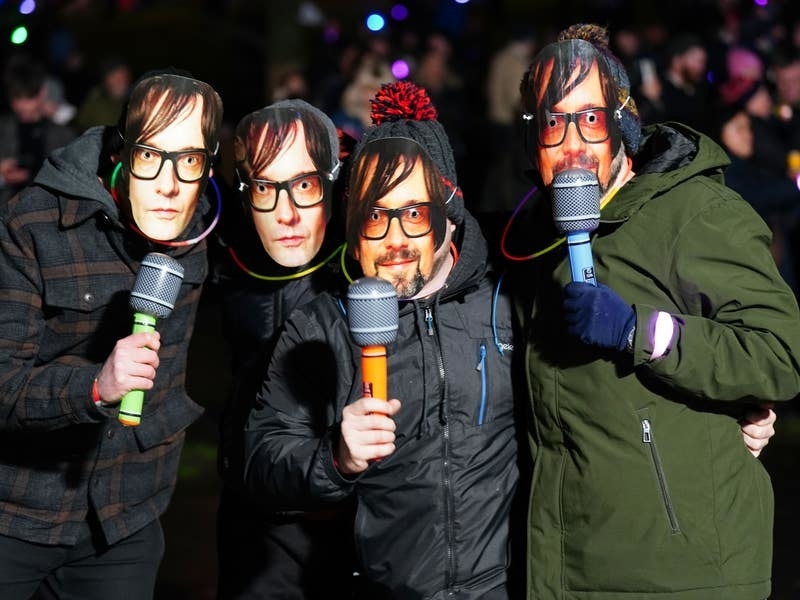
x,y
638,385
82,493
282,246
431,469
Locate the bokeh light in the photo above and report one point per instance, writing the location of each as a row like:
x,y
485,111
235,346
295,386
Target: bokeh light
x,y
399,12
26,7
375,22
400,69
19,35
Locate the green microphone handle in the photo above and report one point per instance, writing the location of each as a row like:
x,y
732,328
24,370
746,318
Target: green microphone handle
x,y
130,408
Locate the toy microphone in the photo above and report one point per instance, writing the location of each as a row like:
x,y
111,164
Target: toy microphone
x,y
372,316
576,213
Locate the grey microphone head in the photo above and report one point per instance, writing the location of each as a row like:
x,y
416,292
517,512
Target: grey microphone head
x,y
576,201
372,311
157,285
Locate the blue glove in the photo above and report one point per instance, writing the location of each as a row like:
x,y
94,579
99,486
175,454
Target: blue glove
x,y
596,315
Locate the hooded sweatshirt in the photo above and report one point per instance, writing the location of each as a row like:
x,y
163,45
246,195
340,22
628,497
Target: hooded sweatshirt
x,y
68,264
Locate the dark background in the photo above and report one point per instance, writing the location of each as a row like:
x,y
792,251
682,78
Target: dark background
x,y
240,47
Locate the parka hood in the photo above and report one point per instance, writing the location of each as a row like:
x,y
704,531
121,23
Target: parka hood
x,y
71,171
670,154
472,256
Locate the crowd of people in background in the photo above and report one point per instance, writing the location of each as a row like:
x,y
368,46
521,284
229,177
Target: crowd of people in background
x,y
745,62
747,57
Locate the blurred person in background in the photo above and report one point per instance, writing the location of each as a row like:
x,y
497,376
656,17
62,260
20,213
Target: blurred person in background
x,y
105,99
685,92
352,113
775,196
640,63
743,84
505,183
27,133
56,107
786,73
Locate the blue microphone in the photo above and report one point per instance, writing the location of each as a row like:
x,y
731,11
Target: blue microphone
x,y
576,213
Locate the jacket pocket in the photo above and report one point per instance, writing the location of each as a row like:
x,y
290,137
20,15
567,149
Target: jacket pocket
x,y
648,439
160,426
81,292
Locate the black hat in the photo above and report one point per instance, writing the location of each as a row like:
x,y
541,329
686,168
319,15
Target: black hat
x,y
404,110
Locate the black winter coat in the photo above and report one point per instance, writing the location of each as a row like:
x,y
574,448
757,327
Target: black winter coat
x,y
433,517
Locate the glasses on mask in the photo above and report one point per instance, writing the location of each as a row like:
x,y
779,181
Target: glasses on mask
x,y
591,123
145,162
415,220
305,190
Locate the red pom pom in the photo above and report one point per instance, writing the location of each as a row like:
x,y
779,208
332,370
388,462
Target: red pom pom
x,y
402,100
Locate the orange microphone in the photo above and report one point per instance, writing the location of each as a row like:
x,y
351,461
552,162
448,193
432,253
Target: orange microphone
x,y
372,316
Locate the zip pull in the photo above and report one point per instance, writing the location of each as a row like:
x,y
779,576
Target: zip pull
x,y
646,435
481,358
429,320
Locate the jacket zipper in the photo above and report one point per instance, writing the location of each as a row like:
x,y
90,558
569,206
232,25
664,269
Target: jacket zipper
x,y
647,438
481,368
429,329
447,482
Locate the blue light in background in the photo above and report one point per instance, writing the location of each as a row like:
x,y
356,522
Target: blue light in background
x,y
26,7
375,22
399,12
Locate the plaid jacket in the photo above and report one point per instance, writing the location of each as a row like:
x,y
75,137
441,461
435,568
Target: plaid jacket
x,y
67,265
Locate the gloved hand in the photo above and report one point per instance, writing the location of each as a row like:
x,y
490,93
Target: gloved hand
x,y
597,315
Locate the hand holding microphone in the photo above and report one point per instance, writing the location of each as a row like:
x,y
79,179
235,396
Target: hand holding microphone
x,y
367,428
153,297
596,315
132,364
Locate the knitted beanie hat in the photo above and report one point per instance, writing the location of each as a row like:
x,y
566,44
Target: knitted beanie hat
x,y
403,110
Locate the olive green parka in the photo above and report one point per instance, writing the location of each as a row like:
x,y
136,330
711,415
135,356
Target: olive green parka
x,y
642,485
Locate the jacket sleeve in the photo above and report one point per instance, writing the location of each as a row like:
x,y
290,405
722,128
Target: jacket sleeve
x,y
293,425
35,394
737,327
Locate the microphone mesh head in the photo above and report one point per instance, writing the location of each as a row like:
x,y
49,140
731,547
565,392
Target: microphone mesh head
x,y
157,285
576,201
372,311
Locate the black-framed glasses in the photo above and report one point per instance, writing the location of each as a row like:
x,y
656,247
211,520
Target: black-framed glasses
x,y
145,162
591,123
304,190
415,220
